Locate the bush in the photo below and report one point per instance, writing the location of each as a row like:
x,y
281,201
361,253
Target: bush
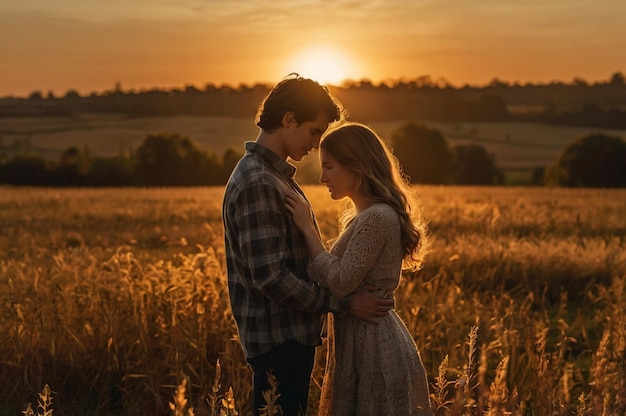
x,y
111,171
474,166
423,153
173,160
26,171
595,160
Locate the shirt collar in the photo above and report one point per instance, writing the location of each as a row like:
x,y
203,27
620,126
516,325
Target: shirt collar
x,y
272,159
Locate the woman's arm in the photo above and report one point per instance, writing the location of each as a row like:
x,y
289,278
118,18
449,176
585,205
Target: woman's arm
x,y
363,304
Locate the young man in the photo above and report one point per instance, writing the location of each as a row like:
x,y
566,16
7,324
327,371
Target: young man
x,y
278,309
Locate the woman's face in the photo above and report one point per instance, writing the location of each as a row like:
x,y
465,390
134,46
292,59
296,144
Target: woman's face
x,y
341,182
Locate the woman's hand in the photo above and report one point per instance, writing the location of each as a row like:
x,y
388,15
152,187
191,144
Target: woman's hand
x,y
300,211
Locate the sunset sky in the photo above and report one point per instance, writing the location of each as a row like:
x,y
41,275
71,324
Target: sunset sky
x,y
90,45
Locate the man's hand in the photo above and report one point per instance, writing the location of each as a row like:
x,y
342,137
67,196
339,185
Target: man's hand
x,y
368,307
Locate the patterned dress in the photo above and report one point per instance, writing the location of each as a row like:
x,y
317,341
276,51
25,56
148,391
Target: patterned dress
x,y
371,370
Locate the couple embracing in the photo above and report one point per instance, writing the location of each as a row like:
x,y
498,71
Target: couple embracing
x,y
283,281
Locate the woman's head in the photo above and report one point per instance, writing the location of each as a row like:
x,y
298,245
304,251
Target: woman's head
x,y
378,178
359,149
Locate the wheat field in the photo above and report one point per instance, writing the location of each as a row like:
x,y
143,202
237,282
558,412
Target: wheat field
x,y
114,302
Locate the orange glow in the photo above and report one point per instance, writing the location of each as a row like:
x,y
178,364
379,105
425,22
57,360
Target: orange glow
x,y
52,46
325,65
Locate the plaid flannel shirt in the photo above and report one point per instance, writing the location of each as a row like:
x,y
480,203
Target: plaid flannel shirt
x,y
271,296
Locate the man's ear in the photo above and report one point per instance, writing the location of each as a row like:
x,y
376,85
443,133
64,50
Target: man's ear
x,y
288,119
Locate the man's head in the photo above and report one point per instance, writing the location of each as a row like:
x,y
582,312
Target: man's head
x,y
304,97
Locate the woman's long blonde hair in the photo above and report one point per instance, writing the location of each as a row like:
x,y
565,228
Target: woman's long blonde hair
x,y
358,148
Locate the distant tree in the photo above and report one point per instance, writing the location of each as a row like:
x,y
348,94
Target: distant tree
x,y
229,160
472,165
209,166
111,171
539,176
423,153
25,170
595,160
617,79
489,107
35,96
497,83
424,81
549,109
173,160
71,94
72,168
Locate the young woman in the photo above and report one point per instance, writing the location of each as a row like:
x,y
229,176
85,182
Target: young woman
x,y
370,369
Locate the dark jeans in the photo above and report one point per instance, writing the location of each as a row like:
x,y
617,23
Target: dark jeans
x,y
291,363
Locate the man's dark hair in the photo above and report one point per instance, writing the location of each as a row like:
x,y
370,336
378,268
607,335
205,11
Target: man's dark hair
x,y
305,97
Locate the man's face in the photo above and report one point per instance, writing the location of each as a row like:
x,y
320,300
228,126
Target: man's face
x,y
301,139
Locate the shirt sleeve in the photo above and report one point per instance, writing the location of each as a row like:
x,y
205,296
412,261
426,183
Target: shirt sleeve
x,y
344,275
263,227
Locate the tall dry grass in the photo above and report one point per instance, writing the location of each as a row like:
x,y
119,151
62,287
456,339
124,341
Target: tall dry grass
x,y
117,299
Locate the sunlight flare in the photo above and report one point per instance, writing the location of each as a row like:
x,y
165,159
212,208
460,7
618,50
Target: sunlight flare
x,y
325,65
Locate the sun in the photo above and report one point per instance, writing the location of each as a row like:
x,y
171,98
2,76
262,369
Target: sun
x,y
324,72
325,65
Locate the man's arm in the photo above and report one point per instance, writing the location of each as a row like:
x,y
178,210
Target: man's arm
x,y
369,307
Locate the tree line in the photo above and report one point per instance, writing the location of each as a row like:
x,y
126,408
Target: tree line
x,y
595,160
167,159
599,104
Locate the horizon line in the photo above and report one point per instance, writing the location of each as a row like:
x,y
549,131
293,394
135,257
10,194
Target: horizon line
x,y
427,80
